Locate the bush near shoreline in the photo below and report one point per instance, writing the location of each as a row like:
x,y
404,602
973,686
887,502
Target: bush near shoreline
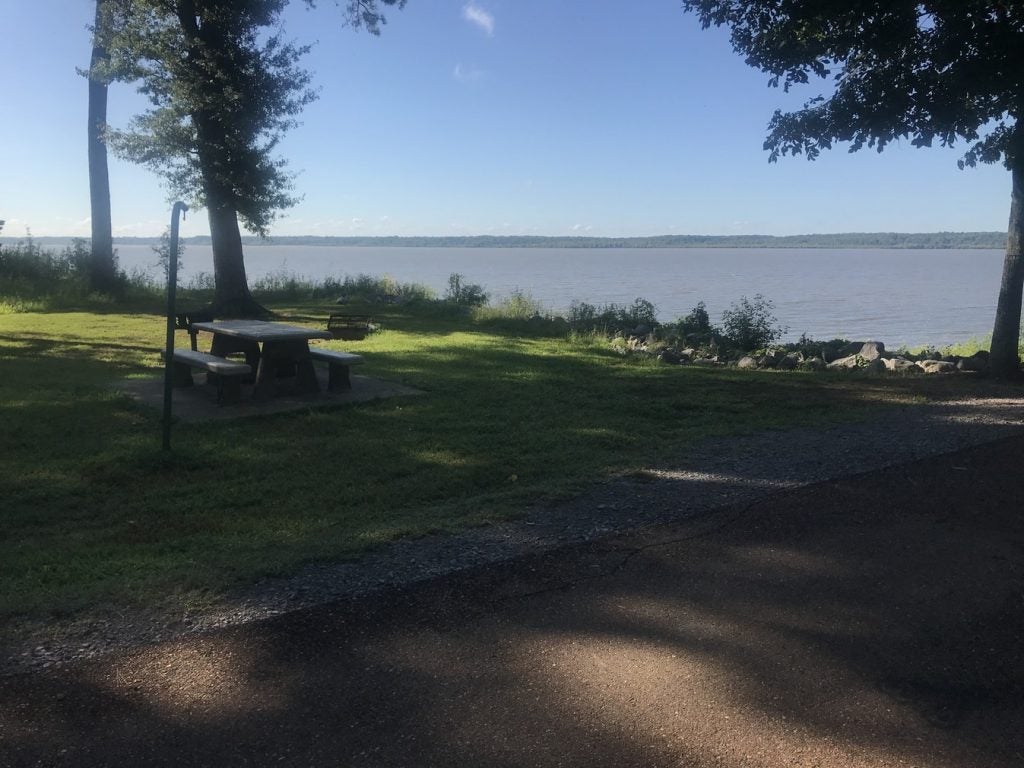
x,y
33,278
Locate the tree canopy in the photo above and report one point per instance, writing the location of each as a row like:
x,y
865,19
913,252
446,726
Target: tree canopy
x,y
931,72
224,87
222,96
944,72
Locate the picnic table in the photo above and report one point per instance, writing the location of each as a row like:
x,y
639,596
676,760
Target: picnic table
x,y
273,350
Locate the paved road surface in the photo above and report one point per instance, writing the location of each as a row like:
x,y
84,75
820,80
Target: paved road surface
x,y
871,621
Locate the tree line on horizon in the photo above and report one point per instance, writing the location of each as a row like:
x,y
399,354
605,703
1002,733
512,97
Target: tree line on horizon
x,y
883,240
224,86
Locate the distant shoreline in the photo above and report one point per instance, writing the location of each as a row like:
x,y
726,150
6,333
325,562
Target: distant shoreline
x,y
866,240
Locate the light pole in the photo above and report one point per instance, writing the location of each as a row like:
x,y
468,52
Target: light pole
x,y
172,290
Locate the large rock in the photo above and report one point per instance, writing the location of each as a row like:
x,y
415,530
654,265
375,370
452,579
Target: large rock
x,y
791,361
872,350
747,362
937,366
852,361
814,364
978,362
847,350
874,366
772,358
901,365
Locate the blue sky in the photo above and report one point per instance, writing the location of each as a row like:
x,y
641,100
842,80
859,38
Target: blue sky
x,y
546,117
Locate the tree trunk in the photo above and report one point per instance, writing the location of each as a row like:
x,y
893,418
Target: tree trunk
x,y
231,297
1005,360
102,269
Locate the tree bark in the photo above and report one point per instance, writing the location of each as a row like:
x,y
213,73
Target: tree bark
x,y
1005,359
102,268
231,296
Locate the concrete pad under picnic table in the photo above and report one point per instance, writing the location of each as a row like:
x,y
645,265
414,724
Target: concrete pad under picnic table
x,y
199,403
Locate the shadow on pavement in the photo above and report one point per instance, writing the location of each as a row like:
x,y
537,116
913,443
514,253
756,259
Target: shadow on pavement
x,y
871,621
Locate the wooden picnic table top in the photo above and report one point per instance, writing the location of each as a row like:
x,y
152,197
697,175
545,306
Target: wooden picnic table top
x,y
261,330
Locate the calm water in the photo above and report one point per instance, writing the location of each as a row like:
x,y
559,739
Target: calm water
x,y
900,297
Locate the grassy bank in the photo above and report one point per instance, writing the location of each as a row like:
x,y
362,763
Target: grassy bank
x,y
95,514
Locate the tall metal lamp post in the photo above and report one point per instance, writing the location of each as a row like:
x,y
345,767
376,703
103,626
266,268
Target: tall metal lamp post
x,y
172,290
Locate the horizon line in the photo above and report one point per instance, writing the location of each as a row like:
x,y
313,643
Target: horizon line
x,y
270,238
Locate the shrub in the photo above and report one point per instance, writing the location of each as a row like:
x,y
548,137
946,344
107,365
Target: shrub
x,y
201,281
697,322
750,324
284,285
612,318
30,272
831,349
642,312
163,254
522,314
464,294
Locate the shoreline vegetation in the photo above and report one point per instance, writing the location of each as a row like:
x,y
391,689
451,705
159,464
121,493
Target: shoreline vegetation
x,y
870,240
35,278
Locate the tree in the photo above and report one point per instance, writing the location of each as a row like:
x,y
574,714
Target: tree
x,y
223,90
941,71
102,267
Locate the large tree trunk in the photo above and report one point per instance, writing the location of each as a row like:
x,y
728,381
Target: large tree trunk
x,y
102,268
1005,361
231,297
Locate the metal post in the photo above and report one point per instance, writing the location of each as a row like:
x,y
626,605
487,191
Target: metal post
x,y
172,290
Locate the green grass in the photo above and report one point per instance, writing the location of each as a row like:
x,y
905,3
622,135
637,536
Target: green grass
x,y
969,347
94,514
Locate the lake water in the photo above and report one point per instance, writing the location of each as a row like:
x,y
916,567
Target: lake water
x,y
909,297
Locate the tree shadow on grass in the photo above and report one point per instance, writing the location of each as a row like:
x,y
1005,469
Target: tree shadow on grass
x,y
502,427
851,623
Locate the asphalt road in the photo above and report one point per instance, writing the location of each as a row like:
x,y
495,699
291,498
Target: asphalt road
x,y
871,621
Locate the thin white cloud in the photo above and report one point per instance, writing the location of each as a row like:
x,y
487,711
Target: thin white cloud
x,y
467,74
474,14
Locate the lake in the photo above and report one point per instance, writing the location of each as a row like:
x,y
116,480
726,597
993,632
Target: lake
x,y
912,297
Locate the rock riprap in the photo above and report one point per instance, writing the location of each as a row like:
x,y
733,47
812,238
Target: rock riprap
x,y
861,356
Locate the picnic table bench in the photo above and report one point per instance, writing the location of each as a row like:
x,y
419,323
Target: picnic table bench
x,y
227,374
337,366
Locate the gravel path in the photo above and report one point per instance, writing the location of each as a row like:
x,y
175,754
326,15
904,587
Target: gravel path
x,y
715,473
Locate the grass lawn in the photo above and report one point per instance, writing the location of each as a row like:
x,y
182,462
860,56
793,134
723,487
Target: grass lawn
x,y
94,514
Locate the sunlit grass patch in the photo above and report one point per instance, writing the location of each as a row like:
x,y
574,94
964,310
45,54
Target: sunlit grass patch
x,y
94,513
